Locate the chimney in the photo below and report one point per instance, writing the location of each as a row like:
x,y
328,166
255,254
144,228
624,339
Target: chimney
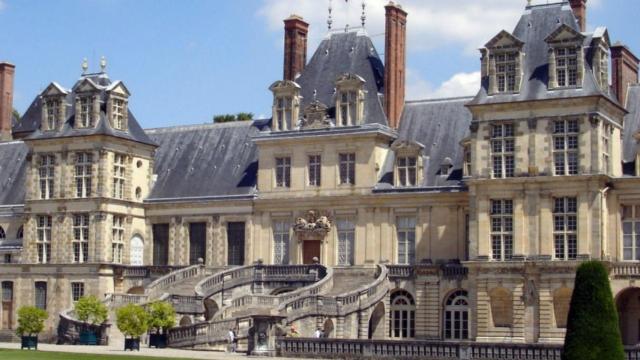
x,y
295,46
580,11
394,62
6,99
624,71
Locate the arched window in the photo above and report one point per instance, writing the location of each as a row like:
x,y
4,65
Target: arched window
x,y
561,302
19,235
403,315
456,316
2,233
501,307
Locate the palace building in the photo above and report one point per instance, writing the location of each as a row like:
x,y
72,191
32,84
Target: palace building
x,y
350,208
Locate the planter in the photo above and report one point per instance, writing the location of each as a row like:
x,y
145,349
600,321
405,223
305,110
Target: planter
x,y
132,344
88,338
158,341
29,342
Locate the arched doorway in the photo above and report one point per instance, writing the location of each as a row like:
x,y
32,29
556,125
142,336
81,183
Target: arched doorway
x,y
136,254
628,305
456,316
328,328
211,308
403,315
376,322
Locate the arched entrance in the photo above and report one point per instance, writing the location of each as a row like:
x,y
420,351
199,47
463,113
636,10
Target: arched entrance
x,y
211,308
328,328
136,254
456,316
376,322
403,315
628,305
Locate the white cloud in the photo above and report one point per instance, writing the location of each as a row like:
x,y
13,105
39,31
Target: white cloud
x,y
460,84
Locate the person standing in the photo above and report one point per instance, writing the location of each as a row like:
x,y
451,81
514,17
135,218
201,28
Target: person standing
x,y
233,340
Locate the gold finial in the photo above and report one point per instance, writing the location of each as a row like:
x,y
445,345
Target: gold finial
x,y
85,65
103,63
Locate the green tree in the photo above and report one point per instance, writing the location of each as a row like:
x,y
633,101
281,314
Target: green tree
x,y
132,320
162,316
31,320
90,310
224,118
16,114
244,116
592,325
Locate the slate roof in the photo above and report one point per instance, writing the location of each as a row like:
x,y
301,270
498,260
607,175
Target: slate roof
x,y
13,171
340,53
440,125
631,124
535,25
205,161
32,118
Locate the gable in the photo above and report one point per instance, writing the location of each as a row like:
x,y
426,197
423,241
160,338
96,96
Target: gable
x,y
119,88
504,39
564,33
54,89
86,85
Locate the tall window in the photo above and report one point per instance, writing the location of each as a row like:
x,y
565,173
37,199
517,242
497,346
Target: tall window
x,y
502,149
565,147
86,109
43,228
348,108
315,170
403,315
46,171
567,66
456,316
506,71
283,172
77,290
118,176
346,239
406,231
502,229
606,147
80,238
118,114
83,174
631,232
53,109
284,112
40,288
160,244
348,168
467,160
407,171
565,228
117,239
281,242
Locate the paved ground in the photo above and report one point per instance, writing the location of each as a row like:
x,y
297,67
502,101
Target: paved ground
x,y
111,350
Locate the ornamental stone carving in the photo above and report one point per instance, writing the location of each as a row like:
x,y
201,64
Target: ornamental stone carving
x,y
312,227
315,116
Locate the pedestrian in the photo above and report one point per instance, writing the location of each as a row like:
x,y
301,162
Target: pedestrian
x,y
233,340
319,334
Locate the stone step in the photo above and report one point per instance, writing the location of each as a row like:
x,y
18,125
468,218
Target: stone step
x,y
347,280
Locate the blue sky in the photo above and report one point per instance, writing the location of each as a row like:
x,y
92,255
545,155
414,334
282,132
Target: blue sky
x,y
186,60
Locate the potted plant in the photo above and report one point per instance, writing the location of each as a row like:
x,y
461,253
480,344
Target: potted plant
x,y
162,316
132,321
90,310
30,324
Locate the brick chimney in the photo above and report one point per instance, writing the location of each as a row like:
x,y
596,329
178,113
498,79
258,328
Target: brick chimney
x,y
394,62
295,46
7,72
580,11
624,70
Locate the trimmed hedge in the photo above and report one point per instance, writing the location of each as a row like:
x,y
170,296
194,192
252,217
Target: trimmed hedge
x,y
593,332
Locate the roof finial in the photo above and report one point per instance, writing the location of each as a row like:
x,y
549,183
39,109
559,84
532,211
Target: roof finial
x,y
85,65
364,14
330,20
103,63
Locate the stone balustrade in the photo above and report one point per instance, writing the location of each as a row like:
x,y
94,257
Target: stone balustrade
x,y
201,333
156,288
625,270
401,271
123,299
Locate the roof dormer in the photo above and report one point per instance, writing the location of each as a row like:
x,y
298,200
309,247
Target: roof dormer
x,y
566,58
408,169
286,104
53,107
600,54
502,63
117,105
350,95
87,104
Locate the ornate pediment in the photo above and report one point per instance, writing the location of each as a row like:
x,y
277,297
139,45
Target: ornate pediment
x,y
407,146
119,88
504,39
315,116
564,33
312,226
54,89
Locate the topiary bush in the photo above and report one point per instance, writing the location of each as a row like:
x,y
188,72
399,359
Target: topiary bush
x,y
593,332
162,316
132,320
31,320
90,310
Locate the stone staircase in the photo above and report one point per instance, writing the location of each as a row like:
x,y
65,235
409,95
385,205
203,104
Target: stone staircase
x,y
8,336
346,280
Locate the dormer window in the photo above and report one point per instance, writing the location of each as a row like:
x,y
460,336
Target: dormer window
x,y
286,105
118,111
501,62
407,171
567,66
85,113
283,113
566,61
52,113
408,166
506,71
348,108
349,100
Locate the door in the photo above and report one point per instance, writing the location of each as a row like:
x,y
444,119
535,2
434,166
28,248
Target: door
x,y
311,249
197,242
235,243
136,257
7,304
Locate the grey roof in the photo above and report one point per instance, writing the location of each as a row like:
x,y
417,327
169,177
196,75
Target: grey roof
x,y
631,124
205,161
13,171
535,25
440,125
32,118
340,53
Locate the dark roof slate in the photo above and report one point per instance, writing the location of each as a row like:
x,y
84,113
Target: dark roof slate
x,y
13,171
631,124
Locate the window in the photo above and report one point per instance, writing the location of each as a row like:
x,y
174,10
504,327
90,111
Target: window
x,y
118,112
603,69
348,169
80,238
606,147
565,228
77,290
348,108
406,231
467,160
281,242
567,66
117,239
502,149
315,170
407,171
8,258
83,174
456,316
46,171
197,243
41,294
43,228
565,147
2,233
53,109
284,110
506,71
346,229
501,229
403,315
160,244
118,176
631,232
235,243
7,291
85,117
20,233
283,172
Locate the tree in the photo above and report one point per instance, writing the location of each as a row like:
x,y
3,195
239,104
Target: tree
x,y
132,320
241,116
31,320
592,326
16,114
90,309
162,316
